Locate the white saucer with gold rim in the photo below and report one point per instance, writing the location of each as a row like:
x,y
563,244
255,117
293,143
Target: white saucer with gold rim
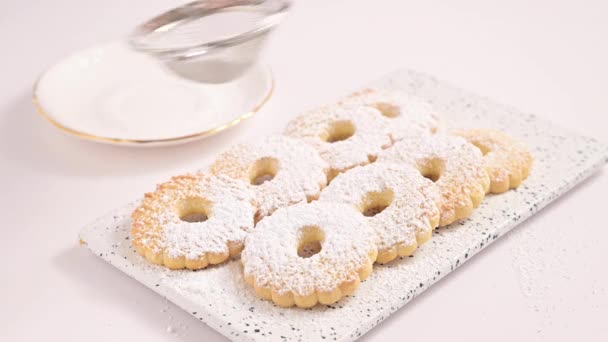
x,y
112,94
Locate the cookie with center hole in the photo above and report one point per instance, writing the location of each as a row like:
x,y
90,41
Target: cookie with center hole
x,y
456,167
344,136
508,161
192,221
400,205
281,171
309,253
406,114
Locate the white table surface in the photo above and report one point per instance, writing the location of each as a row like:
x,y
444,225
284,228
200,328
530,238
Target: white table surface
x,y
546,280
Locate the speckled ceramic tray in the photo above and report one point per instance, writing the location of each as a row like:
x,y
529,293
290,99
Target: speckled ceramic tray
x,y
219,296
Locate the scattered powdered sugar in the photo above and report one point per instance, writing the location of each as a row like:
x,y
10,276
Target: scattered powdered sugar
x,y
299,173
369,135
414,203
271,250
460,166
405,114
157,224
541,256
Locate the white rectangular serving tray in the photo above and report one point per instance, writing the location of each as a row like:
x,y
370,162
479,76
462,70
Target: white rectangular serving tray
x,y
220,297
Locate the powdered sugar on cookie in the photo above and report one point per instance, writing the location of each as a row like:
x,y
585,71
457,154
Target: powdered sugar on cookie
x,y
345,136
281,171
405,114
455,165
193,220
401,206
508,162
274,266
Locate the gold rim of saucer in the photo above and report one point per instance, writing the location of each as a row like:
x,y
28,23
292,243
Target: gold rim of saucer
x,y
121,141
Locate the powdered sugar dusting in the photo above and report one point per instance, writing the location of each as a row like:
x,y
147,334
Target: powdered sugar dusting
x,y
369,138
414,204
301,172
503,156
157,224
222,299
462,171
271,251
404,113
